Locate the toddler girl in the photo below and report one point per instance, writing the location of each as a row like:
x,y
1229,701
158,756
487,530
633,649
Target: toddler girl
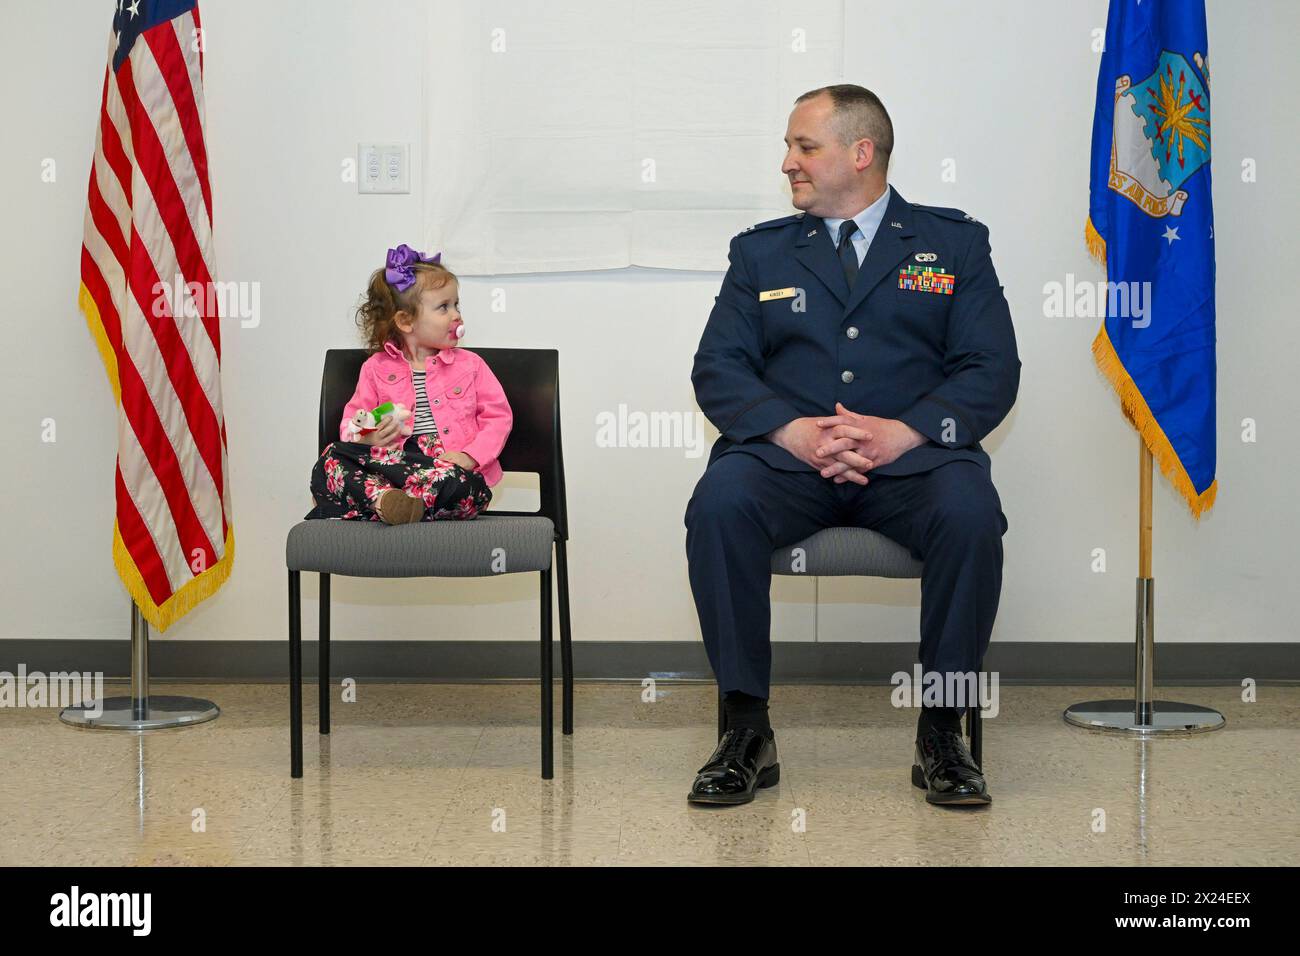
x,y
441,460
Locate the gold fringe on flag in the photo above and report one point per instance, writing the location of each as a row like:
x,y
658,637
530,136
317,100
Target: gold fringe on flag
x,y
96,324
1135,406
1096,244
182,601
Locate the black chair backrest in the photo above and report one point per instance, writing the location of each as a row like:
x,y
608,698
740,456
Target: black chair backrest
x,y
531,379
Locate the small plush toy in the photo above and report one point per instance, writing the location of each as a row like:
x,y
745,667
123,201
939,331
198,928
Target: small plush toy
x,y
364,422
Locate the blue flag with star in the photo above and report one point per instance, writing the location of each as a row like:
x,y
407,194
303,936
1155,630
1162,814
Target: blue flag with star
x,y
1151,223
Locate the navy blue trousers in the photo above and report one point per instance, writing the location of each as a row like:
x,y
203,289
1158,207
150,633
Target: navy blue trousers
x,y
743,509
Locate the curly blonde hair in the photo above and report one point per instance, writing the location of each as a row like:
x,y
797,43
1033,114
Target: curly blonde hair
x,y
377,312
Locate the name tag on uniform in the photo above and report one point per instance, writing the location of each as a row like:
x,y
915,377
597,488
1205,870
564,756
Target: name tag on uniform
x,y
771,294
926,279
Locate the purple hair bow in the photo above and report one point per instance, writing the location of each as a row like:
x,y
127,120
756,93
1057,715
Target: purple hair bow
x,y
397,269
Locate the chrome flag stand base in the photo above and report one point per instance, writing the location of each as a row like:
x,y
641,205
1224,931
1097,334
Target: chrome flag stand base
x,y
140,712
1143,716
1163,719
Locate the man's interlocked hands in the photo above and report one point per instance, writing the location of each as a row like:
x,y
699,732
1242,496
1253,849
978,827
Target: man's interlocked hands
x,y
846,445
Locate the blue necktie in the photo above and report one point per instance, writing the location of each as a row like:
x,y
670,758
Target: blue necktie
x,y
848,255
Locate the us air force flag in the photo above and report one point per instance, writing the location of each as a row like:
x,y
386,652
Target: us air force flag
x,y
1150,222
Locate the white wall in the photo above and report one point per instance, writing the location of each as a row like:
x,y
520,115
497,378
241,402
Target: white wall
x,y
1003,88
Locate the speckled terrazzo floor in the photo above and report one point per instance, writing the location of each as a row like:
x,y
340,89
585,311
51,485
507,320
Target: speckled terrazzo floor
x,y
449,774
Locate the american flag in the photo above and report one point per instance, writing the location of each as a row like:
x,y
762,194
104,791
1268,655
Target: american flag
x,y
148,222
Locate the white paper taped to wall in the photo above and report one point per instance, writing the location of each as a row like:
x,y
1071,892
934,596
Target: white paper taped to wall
x,y
597,134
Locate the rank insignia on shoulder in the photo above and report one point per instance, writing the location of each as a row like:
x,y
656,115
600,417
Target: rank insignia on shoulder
x,y
970,218
776,294
769,224
927,279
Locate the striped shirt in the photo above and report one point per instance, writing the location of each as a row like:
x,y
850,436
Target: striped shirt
x,y
424,423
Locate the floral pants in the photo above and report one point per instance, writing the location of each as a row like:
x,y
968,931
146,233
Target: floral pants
x,y
349,476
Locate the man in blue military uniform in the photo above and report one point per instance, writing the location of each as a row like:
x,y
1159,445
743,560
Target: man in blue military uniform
x,y
855,356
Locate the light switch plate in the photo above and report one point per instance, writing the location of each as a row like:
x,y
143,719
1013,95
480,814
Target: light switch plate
x,y
383,168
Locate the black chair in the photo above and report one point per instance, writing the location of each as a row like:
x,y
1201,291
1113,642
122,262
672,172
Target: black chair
x,y
531,379
858,552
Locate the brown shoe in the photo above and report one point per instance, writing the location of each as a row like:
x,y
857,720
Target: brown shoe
x,y
397,507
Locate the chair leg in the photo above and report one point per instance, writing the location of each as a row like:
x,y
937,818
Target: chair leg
x,y
566,638
295,675
548,691
722,715
975,731
324,654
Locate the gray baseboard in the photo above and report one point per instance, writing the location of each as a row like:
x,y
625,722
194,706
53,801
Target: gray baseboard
x,y
792,662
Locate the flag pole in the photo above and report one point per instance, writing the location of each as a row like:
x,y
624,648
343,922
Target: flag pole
x,y
1144,716
1144,663
141,711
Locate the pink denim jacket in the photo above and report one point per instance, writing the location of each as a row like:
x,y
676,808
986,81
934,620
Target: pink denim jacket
x,y
467,402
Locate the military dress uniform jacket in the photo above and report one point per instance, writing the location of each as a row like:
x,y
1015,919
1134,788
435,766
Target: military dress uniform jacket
x,y
944,362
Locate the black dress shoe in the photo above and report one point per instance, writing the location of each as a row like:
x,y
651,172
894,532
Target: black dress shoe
x,y
745,761
945,770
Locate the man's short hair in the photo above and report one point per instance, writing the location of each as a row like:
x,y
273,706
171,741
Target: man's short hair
x,y
858,114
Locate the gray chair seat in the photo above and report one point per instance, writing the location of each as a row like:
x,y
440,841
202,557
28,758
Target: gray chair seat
x,y
847,551
438,549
